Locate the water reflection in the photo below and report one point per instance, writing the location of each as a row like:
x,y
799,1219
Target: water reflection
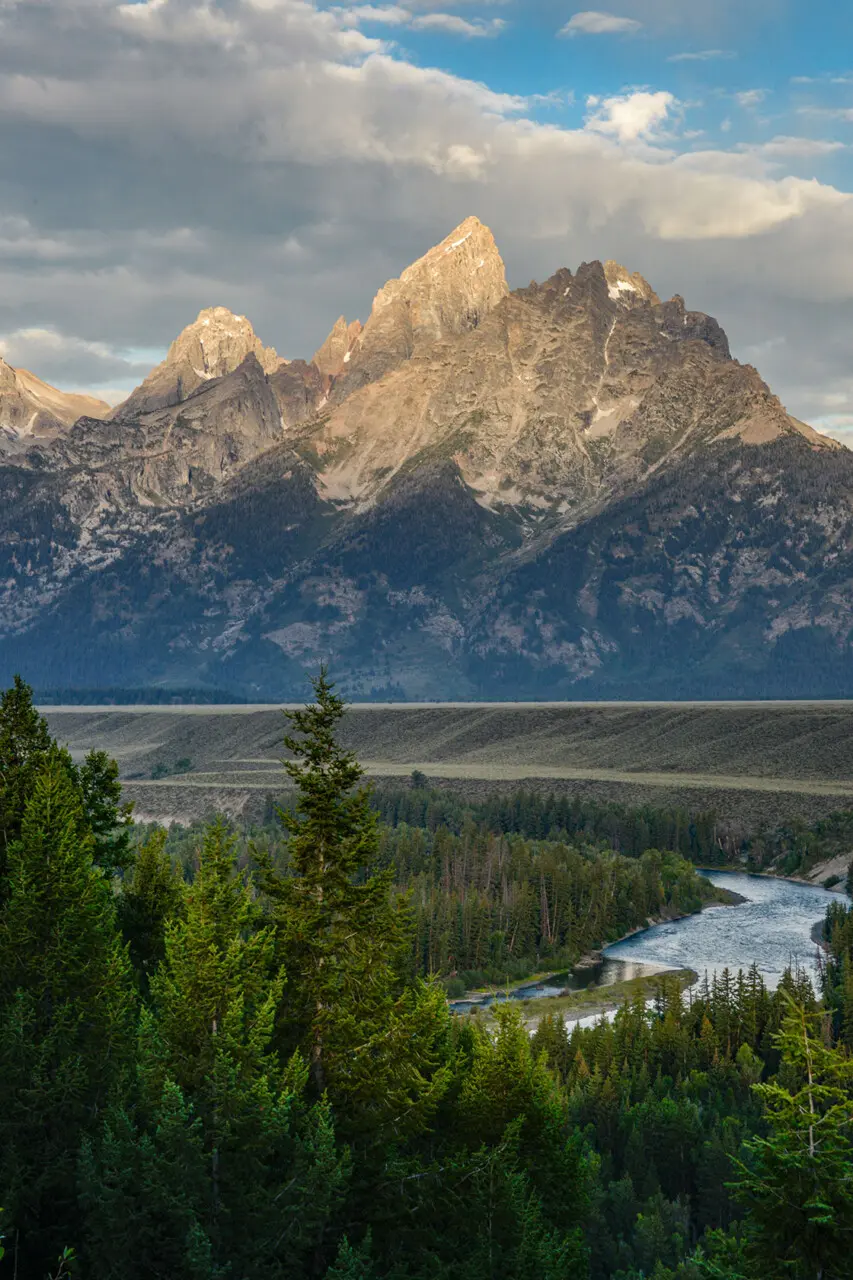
x,y
771,929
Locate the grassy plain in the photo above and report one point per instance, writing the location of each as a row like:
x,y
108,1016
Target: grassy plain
x,y
751,762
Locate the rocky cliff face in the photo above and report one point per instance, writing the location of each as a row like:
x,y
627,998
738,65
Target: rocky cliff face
x,y
445,294
561,491
32,410
561,394
213,346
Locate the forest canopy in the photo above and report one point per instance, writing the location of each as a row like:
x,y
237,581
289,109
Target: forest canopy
x,y
224,1056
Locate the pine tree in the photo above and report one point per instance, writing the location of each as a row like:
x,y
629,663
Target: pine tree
x,y
109,818
65,1005
797,1184
273,1174
372,1039
152,895
24,745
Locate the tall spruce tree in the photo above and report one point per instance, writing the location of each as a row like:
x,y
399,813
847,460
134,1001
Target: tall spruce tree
x,y
264,1173
152,895
110,818
372,1039
24,744
65,1008
797,1183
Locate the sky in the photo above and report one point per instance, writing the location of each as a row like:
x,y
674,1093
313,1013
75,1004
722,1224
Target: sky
x,y
284,158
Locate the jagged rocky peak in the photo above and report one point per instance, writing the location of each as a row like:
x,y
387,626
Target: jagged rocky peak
x,y
445,293
450,289
32,410
336,351
627,287
214,345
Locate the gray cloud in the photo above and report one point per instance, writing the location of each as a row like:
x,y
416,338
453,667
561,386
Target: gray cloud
x,y
262,155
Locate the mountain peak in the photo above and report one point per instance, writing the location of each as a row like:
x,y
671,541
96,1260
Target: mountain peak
x,y
452,286
626,286
32,410
445,293
335,352
215,344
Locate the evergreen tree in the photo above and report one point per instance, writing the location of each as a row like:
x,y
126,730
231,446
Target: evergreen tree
x,y
264,1174
24,744
65,1003
152,895
372,1040
797,1185
109,818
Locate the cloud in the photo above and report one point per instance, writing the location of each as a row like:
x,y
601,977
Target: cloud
x,y
457,26
261,155
389,14
794,148
592,22
750,97
827,113
73,363
630,116
702,55
395,16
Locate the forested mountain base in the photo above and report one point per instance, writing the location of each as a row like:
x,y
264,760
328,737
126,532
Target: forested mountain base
x,y
229,1063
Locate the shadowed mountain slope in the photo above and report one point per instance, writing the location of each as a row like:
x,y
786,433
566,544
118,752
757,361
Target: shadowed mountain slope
x,y
562,491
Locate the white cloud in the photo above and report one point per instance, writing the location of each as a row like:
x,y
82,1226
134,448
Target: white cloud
x,y
592,22
702,55
750,97
73,363
395,16
388,14
827,113
794,148
277,162
630,116
454,25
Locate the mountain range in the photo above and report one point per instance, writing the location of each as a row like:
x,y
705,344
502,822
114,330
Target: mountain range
x,y
569,490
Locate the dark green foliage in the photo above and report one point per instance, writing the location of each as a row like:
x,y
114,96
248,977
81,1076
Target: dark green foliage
x,y
281,1096
24,744
152,896
65,1008
343,938
109,820
797,1181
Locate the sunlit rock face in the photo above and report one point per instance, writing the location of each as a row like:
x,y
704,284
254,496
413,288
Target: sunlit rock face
x,y
562,491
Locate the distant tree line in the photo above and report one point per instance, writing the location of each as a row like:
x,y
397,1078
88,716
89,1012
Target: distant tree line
x,y
224,1063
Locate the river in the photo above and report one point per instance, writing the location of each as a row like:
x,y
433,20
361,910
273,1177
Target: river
x,y
771,928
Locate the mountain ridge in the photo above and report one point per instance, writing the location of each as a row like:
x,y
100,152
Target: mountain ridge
x,y
406,503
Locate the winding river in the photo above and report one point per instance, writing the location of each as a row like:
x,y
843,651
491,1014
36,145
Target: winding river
x,y
771,928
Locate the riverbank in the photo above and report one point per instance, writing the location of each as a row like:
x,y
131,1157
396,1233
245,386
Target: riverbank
x,y
727,898
594,1002
590,959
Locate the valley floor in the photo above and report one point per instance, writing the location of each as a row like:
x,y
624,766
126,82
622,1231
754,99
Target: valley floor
x,y
752,761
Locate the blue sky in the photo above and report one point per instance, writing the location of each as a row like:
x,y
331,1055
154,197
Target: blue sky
x,y
742,75
286,157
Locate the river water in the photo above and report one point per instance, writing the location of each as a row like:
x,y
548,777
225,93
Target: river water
x,y
772,929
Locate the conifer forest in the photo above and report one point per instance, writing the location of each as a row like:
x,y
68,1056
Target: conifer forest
x,y
228,1053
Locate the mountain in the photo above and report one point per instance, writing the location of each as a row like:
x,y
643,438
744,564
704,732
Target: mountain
x,y
567,490
32,410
